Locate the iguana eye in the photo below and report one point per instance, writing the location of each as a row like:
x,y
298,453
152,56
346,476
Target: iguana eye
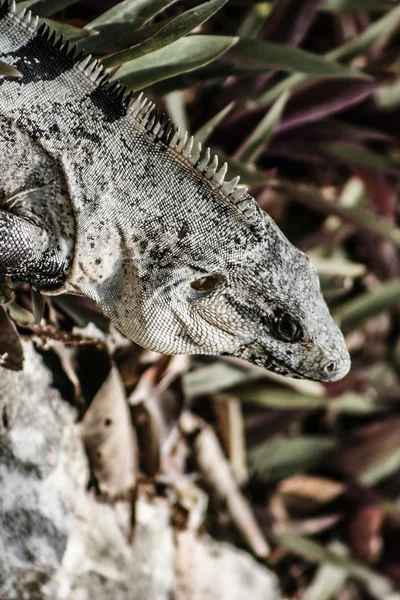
x,y
206,284
286,328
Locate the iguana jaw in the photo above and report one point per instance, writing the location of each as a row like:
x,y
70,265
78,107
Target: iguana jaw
x,y
330,367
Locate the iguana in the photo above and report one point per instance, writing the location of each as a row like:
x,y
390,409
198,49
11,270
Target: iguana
x,y
102,197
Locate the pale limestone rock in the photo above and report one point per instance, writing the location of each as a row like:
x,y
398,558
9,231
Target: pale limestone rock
x,y
57,542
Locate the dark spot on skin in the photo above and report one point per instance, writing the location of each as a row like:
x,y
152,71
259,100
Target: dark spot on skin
x,y
54,129
183,231
51,62
107,422
82,132
98,261
242,309
157,254
112,109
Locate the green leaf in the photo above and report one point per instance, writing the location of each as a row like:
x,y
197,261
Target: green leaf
x,y
354,47
176,109
120,23
363,157
209,127
356,404
248,175
278,398
356,5
186,54
354,312
172,31
362,43
136,12
43,8
353,129
315,552
80,314
19,314
388,95
253,23
329,579
70,32
360,217
382,469
268,55
213,378
285,456
259,139
337,267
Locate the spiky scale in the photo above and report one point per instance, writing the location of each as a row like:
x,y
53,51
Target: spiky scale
x,y
212,168
175,137
220,175
203,162
187,149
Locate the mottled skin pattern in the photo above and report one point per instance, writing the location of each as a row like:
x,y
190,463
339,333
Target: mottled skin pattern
x,y
179,266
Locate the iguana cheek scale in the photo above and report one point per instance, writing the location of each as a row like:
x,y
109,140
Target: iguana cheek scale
x,y
101,197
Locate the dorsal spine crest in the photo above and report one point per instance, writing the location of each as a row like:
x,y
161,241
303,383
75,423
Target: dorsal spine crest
x,y
143,111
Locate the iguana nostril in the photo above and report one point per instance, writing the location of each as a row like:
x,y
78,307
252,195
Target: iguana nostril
x,y
330,367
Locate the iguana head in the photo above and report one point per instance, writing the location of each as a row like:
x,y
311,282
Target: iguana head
x,y
261,302
246,292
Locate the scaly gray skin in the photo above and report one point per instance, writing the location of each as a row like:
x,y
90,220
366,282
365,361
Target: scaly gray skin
x,y
99,197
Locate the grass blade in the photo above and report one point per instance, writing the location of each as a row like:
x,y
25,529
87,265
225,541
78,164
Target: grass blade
x,y
349,6
118,24
258,141
360,217
256,54
285,456
172,31
44,8
363,157
136,12
209,127
372,303
186,54
354,47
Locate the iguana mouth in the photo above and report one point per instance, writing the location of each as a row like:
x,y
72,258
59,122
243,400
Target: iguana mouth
x,y
264,359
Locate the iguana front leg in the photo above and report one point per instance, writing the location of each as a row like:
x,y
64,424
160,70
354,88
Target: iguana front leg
x,y
31,254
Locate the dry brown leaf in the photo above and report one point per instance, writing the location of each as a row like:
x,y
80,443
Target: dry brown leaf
x,y
148,422
156,408
319,489
364,532
218,477
309,526
371,444
229,415
68,364
110,439
11,354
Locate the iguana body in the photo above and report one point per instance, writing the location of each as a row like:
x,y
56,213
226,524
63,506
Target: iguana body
x,y
101,198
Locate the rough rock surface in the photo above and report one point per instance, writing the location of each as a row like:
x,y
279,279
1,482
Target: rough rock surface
x,y
57,542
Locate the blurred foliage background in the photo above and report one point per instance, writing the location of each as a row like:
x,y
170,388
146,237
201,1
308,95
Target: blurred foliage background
x,y
303,101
